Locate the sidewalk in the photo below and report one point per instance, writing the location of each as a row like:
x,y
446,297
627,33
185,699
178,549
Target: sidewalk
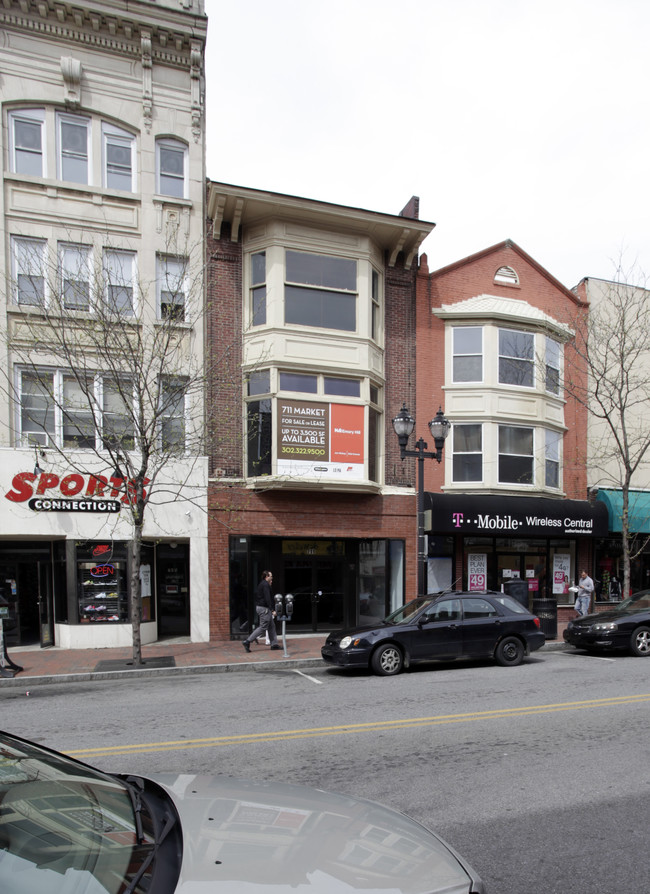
x,y
173,656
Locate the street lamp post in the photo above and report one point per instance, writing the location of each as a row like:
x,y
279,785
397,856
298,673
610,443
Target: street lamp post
x,y
404,424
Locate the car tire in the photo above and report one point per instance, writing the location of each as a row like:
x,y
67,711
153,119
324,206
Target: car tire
x,y
510,652
387,660
640,642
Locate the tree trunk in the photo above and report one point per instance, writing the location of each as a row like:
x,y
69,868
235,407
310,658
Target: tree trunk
x,y
136,592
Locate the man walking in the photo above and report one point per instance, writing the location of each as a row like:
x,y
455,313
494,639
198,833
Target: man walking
x,y
585,592
265,609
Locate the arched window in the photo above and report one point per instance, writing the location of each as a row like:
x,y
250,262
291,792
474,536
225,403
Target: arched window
x,y
506,276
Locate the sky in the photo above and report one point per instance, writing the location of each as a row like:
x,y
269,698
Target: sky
x,y
510,119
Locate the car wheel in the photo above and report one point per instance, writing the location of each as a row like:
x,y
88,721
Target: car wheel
x,y
510,652
640,642
387,660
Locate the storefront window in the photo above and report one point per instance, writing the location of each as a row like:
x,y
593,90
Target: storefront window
x,y
372,581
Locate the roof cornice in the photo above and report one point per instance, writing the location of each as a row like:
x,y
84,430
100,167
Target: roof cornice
x,y
115,26
239,206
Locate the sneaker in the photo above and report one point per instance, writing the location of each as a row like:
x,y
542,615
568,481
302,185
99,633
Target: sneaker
x,y
246,645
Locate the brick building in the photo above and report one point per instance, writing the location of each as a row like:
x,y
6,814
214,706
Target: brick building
x,y
494,337
310,320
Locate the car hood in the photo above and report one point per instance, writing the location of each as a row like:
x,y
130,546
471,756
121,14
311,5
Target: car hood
x,y
600,618
243,837
354,632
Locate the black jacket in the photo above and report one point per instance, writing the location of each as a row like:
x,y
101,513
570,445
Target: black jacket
x,y
263,596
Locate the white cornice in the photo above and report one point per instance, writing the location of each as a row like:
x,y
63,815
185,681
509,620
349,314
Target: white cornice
x,y
493,307
114,26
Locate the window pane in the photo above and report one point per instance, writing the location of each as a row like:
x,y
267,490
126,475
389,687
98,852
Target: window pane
x,y
258,309
468,467
259,382
516,372
117,419
119,269
467,453
374,440
172,171
258,268
327,310
28,149
298,382
78,423
37,408
118,163
552,474
468,369
74,152
468,340
172,396
467,438
75,277
343,387
259,427
516,344
515,440
515,470
171,283
321,270
29,264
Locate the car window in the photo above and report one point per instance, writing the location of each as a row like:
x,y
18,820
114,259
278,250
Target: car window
x,y
637,602
511,604
447,610
478,608
404,615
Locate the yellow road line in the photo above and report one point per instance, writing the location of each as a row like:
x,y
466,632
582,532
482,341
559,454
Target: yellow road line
x,y
351,728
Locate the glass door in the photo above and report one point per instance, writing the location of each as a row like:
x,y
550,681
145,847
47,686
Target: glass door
x,y
45,605
317,585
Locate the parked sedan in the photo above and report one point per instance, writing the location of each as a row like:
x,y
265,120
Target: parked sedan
x,y
625,627
444,626
66,828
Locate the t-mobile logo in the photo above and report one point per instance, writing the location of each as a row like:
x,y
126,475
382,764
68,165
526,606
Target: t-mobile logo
x,y
458,519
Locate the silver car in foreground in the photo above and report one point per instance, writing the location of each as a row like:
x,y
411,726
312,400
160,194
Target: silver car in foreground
x,y
67,828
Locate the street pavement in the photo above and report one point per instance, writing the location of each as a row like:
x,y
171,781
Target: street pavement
x,y
172,656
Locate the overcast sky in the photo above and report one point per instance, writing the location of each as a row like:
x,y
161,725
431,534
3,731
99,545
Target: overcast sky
x,y
509,119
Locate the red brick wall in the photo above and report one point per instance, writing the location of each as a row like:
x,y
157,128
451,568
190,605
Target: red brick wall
x,y
473,277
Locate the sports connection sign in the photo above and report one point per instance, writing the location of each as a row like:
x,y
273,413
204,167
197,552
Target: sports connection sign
x,y
320,440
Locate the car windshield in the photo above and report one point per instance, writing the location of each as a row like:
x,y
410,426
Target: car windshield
x,y
405,614
637,602
65,827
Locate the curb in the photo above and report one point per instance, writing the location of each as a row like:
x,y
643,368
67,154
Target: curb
x,y
144,673
19,682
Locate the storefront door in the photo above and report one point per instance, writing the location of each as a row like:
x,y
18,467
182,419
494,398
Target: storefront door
x,y
173,592
45,604
317,585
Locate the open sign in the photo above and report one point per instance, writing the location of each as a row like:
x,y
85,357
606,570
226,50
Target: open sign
x,y
102,571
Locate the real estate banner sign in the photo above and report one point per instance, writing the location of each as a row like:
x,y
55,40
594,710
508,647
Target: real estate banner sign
x,y
320,440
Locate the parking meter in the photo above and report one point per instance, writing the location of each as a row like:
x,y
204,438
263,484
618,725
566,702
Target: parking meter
x,y
283,611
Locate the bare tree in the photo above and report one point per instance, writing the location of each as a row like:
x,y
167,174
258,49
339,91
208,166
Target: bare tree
x,y
108,371
611,345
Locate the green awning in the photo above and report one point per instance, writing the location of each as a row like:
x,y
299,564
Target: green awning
x,y
639,509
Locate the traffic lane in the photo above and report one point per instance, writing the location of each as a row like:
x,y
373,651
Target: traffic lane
x,y
189,707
